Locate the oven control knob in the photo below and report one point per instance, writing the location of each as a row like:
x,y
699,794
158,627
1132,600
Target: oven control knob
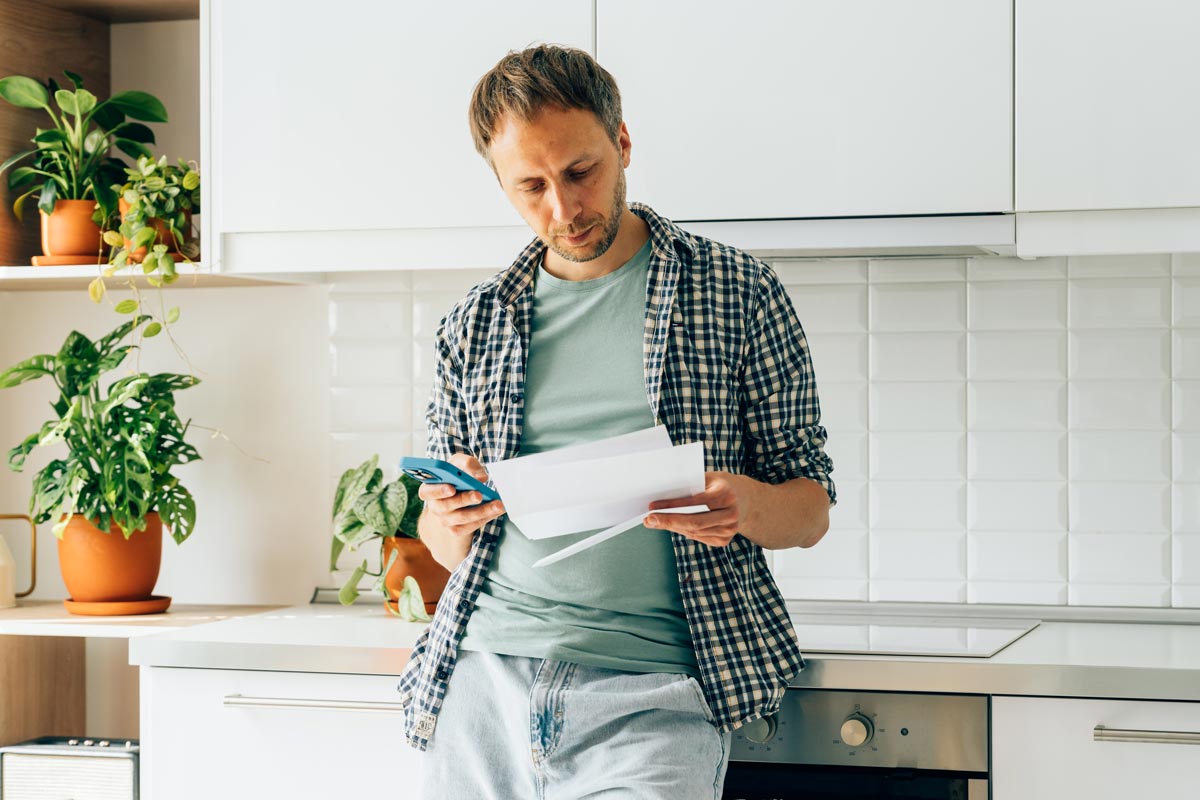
x,y
857,730
762,730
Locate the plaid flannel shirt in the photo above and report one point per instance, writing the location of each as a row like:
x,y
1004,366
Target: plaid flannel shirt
x,y
726,364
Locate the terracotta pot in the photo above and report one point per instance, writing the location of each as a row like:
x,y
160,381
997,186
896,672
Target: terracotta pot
x,y
164,235
69,231
413,559
100,567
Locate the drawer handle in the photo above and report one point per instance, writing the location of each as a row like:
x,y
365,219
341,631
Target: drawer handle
x,y
1103,734
242,701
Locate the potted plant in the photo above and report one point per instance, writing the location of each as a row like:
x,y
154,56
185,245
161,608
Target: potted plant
x,y
366,510
114,491
70,170
156,204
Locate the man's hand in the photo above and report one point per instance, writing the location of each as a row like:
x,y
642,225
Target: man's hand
x,y
451,517
723,494
790,514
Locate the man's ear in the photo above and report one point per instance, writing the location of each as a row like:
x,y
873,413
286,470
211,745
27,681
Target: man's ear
x,y
624,145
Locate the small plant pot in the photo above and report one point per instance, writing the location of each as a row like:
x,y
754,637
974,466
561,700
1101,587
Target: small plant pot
x,y
100,567
70,232
164,234
413,558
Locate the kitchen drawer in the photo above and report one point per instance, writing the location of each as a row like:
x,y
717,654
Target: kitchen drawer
x,y
230,734
1044,748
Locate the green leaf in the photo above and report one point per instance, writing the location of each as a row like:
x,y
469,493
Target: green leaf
x,y
335,550
127,306
351,486
16,456
53,431
28,370
66,101
120,393
77,364
127,476
110,361
24,92
131,148
19,204
22,176
49,196
191,181
14,159
95,140
384,509
349,592
74,78
137,132
114,239
51,136
410,604
96,290
144,237
177,508
105,344
107,116
84,99
173,315
140,105
153,329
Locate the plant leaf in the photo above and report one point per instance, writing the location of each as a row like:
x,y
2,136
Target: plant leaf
x,y
14,159
49,196
16,456
85,100
24,92
178,510
140,105
74,78
335,550
131,148
349,591
96,290
127,307
173,315
110,361
66,101
351,486
28,370
153,329
384,509
410,604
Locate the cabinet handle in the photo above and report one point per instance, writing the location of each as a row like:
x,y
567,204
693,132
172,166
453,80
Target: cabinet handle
x,y
1103,734
242,701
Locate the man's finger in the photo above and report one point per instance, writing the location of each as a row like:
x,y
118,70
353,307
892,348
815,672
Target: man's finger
x,y
435,491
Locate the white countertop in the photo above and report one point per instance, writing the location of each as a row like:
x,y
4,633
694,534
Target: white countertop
x,y
51,618
1078,659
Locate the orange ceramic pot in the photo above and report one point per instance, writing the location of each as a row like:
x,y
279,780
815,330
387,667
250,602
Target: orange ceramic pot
x,y
164,234
100,567
413,558
70,231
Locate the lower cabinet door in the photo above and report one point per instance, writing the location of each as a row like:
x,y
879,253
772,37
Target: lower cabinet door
x,y
1044,748
214,734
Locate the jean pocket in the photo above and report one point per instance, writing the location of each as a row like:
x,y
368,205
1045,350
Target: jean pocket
x,y
698,690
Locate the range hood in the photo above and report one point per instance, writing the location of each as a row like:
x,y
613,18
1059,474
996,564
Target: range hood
x,y
865,237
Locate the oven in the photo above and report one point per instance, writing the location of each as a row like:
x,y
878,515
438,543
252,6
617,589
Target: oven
x,y
826,744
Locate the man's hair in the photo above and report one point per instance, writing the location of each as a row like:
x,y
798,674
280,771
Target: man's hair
x,y
525,82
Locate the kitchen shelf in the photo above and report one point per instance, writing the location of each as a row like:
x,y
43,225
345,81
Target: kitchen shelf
x,y
51,618
78,277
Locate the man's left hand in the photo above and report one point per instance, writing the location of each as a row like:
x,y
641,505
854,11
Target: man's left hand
x,y
728,497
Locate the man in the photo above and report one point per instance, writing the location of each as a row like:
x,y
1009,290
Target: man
x,y
620,671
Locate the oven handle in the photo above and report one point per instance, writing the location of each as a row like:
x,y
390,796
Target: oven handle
x,y
1103,734
242,701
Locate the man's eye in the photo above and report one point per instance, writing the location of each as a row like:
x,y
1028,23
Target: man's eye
x,y
531,189
580,174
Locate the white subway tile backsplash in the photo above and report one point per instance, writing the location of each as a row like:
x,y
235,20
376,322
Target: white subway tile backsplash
x,y
1115,354
1187,302
1017,506
1120,558
1017,406
1120,405
917,505
453,281
838,356
918,406
1018,556
429,308
1018,305
355,409
1129,595
918,554
1017,592
843,406
848,449
351,449
1186,354
918,356
850,513
1187,405
918,591
1185,558
1141,508
848,589
916,270
1185,596
1017,456
360,362
1008,355
801,272
1187,456
1129,303
373,317
1016,269
1120,456
1126,266
1186,508
836,308
918,456
840,554
918,307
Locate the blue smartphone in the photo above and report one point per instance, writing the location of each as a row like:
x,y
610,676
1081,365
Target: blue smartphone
x,y
434,470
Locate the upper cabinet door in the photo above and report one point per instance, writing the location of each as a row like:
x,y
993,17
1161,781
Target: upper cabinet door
x,y
1107,107
814,108
353,116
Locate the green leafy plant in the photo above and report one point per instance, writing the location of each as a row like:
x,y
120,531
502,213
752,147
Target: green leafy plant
x,y
365,509
122,443
70,159
158,195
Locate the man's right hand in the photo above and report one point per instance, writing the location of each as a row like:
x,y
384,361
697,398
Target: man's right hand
x,y
451,517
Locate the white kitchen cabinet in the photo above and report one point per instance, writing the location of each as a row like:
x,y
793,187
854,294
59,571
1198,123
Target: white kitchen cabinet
x,y
1106,104
1047,748
349,120
787,109
214,733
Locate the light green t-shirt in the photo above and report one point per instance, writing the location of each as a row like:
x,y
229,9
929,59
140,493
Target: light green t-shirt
x,y
617,604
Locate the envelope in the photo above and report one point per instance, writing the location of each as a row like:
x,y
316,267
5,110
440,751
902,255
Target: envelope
x,y
598,484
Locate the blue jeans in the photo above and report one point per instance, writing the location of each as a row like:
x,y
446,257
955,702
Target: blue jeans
x,y
516,728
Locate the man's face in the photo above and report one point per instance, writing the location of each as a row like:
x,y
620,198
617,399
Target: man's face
x,y
565,177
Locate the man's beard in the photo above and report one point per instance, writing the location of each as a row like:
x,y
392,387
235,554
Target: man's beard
x,y
611,225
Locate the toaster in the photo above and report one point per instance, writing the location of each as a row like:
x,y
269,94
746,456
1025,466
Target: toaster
x,y
60,767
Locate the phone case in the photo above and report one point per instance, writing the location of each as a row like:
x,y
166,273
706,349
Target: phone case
x,y
434,470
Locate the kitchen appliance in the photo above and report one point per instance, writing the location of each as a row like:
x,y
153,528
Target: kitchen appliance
x,y
871,634
8,565
828,745
82,769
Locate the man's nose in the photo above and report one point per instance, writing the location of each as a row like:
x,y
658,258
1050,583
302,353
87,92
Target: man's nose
x,y
564,203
